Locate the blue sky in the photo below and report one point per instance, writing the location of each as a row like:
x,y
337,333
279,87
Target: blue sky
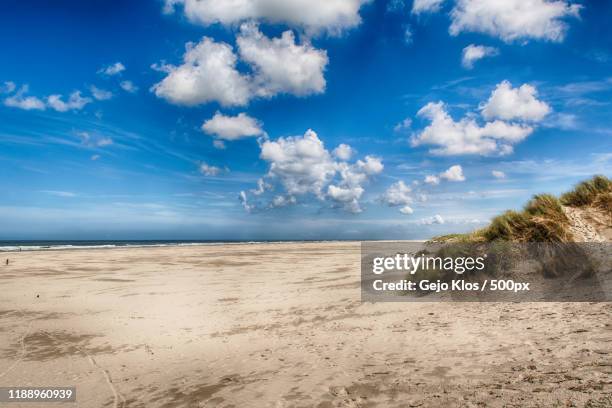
x,y
190,119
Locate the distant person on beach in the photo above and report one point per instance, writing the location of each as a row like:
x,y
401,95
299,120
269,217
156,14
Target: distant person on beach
x,y
7,261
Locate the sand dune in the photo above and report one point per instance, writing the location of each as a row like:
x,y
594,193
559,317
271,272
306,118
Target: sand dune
x,y
281,325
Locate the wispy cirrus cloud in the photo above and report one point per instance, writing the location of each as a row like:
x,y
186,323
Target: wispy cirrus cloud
x,y
57,193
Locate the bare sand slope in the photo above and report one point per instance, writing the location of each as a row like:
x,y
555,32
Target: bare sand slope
x,y
281,325
589,224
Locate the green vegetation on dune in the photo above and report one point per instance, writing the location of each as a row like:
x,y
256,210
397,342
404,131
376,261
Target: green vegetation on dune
x,y
596,192
543,218
589,192
508,239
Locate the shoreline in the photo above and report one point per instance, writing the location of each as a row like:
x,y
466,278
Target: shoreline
x,y
62,246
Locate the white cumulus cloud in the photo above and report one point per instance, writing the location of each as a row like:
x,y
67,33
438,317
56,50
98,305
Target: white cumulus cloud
x,y
454,173
406,210
343,152
232,127
208,74
282,201
371,166
398,194
473,53
22,101
432,179
403,125
314,16
301,165
513,20
128,86
498,174
209,70
262,186
352,177
113,69
466,136
100,94
348,196
510,103
75,102
280,65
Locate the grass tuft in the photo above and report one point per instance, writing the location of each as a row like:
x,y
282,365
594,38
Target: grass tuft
x,y
587,192
507,227
543,218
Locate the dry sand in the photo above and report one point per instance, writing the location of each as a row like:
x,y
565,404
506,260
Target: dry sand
x,y
281,325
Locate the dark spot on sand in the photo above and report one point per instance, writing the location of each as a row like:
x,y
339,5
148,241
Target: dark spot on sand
x,y
114,280
229,299
45,346
190,396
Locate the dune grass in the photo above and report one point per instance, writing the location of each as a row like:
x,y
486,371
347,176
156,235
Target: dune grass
x,y
542,219
589,192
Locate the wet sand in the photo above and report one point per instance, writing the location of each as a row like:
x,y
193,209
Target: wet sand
x,y
281,325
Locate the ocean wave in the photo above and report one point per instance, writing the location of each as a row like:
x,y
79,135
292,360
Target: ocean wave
x,y
49,246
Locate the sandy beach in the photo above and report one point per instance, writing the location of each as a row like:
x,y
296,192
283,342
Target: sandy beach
x,y
281,325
